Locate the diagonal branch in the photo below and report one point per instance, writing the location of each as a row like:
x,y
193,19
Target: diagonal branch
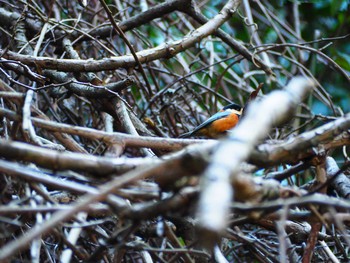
x,y
260,117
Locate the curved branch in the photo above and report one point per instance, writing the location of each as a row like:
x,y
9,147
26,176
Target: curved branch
x,y
166,50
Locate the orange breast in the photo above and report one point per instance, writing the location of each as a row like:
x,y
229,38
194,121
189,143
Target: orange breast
x,y
225,124
218,127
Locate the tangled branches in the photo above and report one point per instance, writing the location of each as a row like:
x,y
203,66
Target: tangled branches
x,y
93,98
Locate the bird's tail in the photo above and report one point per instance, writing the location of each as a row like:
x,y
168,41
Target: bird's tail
x,y
186,135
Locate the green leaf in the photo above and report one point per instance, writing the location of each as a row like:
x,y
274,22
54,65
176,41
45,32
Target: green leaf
x,y
343,60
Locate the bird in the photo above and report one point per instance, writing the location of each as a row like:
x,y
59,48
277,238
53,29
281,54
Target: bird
x,y
217,125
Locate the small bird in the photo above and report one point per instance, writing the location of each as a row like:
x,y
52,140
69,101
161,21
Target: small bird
x,y
217,125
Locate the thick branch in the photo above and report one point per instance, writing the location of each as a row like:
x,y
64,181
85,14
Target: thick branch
x,y
225,166
163,51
